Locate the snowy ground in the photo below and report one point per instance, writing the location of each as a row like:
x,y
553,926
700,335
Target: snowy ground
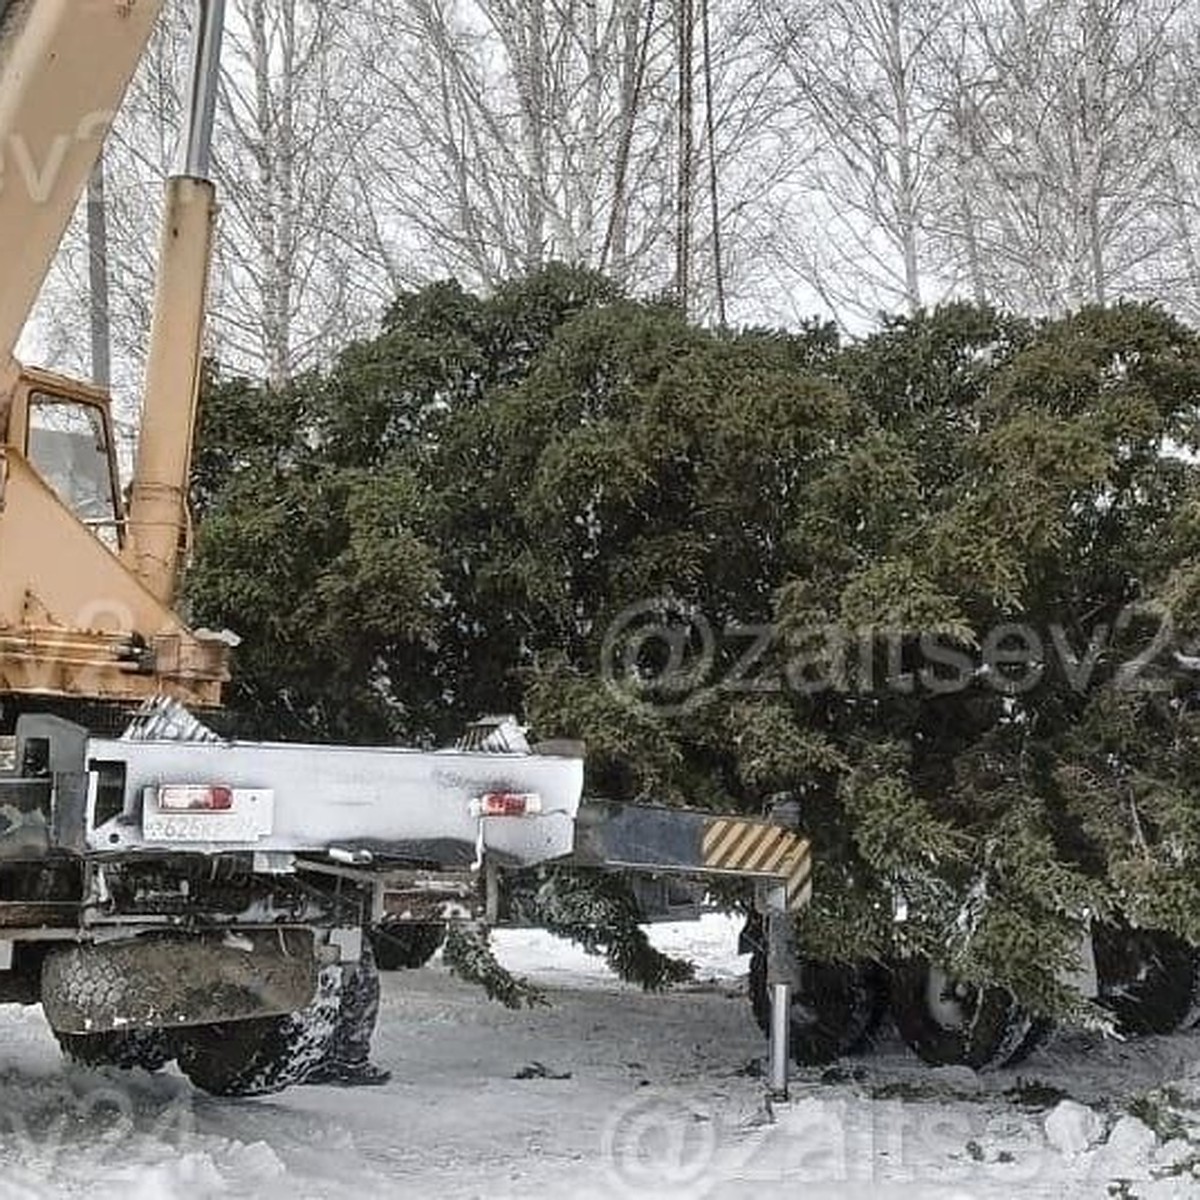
x,y
630,1096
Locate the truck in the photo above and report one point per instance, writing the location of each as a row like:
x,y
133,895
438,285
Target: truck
x,y
165,893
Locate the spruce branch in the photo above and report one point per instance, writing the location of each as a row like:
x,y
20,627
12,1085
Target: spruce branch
x,y
468,953
600,913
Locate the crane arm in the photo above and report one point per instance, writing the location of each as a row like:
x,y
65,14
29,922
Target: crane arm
x,y
65,66
75,620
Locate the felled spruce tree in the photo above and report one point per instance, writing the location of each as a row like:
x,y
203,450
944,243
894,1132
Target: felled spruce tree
x,y
834,543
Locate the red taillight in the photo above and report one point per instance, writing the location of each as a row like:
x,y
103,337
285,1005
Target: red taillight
x,y
195,798
506,804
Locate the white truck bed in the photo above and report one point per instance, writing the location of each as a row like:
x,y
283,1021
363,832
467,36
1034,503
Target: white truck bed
x,y
303,798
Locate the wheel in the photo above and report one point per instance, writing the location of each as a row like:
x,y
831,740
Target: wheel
x,y
358,1010
402,945
149,1049
347,1059
265,1054
1147,979
835,1008
948,1022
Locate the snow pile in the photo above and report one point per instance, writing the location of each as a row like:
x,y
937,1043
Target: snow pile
x,y
1131,1160
710,943
642,1096
187,1176
1072,1128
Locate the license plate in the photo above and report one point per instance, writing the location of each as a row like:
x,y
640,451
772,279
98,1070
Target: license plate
x,y
250,818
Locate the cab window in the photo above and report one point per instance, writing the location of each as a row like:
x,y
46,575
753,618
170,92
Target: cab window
x,y
68,446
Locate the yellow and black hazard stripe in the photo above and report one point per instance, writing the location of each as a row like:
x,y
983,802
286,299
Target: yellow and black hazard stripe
x,y
757,848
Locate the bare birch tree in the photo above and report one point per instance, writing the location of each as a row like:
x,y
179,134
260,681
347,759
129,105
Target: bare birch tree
x,y
289,137
496,129
855,215
1064,148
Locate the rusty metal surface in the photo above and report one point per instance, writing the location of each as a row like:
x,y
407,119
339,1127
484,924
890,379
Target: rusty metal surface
x,y
426,899
38,914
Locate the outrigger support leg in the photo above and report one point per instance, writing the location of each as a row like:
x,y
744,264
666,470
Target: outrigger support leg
x,y
781,962
769,852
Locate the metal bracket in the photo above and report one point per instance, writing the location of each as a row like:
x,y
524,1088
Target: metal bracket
x,y
492,892
349,943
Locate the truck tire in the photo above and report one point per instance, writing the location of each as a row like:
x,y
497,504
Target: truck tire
x,y
347,1059
263,1055
358,1009
835,1009
1147,979
404,945
148,1049
949,1023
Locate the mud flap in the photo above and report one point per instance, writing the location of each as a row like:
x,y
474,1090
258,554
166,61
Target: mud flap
x,y
158,982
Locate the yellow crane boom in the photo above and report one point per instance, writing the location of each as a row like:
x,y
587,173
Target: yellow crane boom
x,y
86,590
65,66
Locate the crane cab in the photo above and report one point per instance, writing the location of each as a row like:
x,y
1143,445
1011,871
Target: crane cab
x,y
64,430
75,622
